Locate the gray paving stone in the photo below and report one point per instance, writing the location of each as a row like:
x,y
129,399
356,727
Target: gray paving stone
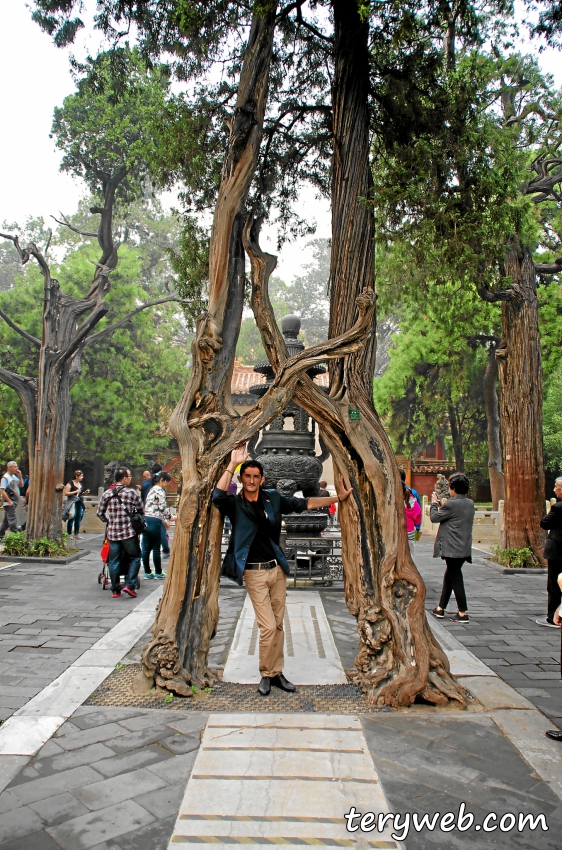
x,y
83,737
150,718
191,723
74,758
8,802
51,748
60,808
125,786
165,802
156,836
34,841
176,770
19,822
142,738
179,744
10,766
50,786
88,716
88,830
129,761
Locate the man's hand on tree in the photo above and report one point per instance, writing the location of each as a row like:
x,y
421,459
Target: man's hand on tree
x,y
343,493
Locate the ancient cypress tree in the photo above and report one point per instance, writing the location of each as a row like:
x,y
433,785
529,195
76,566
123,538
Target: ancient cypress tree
x,y
398,657
101,140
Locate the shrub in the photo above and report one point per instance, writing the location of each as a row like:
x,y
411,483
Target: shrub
x,y
16,545
515,557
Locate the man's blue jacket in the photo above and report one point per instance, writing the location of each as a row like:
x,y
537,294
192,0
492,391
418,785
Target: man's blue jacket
x,y
244,528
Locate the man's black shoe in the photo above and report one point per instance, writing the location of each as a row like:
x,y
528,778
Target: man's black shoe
x,y
264,686
281,682
555,734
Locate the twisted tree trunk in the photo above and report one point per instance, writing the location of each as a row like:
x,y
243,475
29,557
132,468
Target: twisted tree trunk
x,y
520,374
398,657
204,421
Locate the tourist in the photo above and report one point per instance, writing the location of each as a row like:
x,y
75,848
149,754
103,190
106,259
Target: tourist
x,y
146,485
453,543
116,508
417,497
74,506
255,558
9,493
552,522
157,515
413,516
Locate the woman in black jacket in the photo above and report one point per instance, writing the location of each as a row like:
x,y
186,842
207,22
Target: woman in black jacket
x,y
553,554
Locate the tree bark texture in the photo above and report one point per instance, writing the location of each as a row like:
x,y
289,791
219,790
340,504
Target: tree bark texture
x,y
398,657
520,375
456,436
493,423
203,422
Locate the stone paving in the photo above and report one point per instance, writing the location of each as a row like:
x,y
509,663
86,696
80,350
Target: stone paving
x,y
110,779
113,778
49,615
502,630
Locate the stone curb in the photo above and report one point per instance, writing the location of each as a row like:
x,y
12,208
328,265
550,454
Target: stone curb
x,y
46,560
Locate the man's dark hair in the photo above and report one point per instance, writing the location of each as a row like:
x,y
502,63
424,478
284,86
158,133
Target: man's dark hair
x,y
120,473
156,467
251,464
459,483
402,474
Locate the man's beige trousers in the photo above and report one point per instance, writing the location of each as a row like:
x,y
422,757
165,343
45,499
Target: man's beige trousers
x,y
268,590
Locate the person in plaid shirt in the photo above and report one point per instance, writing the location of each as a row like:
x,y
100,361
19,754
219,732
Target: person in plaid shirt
x,y
120,532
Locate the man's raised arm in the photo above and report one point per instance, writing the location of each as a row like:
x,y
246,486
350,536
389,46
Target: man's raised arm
x,y
325,501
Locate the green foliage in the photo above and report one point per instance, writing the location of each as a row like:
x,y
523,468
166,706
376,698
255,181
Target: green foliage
x,y
169,698
16,545
108,125
552,421
514,558
130,380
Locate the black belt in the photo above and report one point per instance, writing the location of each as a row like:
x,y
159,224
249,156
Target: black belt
x,y
263,565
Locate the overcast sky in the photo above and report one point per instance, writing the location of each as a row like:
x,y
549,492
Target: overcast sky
x,y
35,79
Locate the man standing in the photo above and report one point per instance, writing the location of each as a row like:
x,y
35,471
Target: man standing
x,y
552,522
255,558
9,491
115,508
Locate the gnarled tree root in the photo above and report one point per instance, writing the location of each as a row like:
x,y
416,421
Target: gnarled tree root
x,y
162,667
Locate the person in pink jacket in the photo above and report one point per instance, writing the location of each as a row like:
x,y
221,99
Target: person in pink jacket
x,y
413,516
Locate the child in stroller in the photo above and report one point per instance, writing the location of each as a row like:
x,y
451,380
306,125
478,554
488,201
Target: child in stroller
x,y
103,577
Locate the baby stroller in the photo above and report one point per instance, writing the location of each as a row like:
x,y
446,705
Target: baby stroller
x,y
103,577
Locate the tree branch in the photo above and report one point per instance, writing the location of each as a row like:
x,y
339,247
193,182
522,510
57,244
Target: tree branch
x,y
70,226
26,389
492,296
542,186
549,268
125,319
19,330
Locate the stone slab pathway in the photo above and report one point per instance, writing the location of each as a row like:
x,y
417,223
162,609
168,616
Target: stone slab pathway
x,y
284,779
311,657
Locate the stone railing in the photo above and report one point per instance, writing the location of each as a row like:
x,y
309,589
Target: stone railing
x,y
488,524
